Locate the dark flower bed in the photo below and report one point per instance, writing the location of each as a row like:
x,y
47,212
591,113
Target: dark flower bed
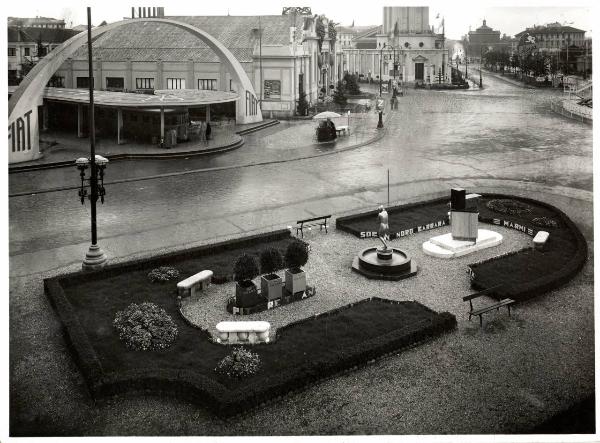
x,y
241,363
508,206
401,218
302,353
162,274
531,272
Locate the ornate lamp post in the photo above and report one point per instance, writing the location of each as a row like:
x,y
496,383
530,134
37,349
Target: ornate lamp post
x,y
95,257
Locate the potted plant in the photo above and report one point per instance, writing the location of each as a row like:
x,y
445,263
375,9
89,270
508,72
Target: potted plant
x,y
270,283
245,269
296,256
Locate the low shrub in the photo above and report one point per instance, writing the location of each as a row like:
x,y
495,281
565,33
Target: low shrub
x,y
296,254
245,268
145,327
270,260
241,363
163,274
508,206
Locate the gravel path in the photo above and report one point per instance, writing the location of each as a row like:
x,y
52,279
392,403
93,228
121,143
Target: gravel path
x,y
440,283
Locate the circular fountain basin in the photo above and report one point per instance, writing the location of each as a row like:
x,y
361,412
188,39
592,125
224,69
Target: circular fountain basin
x,y
382,264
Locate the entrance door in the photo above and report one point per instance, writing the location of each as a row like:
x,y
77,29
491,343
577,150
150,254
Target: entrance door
x,y
419,71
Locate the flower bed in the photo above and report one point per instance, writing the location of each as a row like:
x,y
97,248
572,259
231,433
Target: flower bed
x,y
302,353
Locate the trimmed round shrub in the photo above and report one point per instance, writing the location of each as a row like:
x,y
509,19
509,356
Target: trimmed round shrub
x,y
162,274
270,260
245,268
145,327
241,363
296,254
545,222
509,206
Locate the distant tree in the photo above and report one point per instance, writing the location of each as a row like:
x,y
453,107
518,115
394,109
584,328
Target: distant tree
x,y
351,86
339,96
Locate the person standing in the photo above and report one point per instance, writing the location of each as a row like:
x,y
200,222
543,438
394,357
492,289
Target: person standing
x,y
208,131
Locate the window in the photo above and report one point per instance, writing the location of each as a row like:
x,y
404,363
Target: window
x,y
175,83
83,82
12,52
27,51
42,51
57,81
144,83
272,89
207,84
115,83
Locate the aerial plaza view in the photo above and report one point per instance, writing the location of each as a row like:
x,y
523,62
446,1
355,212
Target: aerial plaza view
x,y
230,220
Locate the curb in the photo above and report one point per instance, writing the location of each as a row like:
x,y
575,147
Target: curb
x,y
155,156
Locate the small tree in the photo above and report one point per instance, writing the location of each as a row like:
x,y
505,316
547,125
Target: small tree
x,y
296,254
338,95
351,85
270,260
245,268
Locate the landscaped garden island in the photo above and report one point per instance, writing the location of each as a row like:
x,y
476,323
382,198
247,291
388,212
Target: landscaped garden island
x,y
129,329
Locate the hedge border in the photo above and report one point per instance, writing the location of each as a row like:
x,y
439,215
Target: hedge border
x,y
541,285
220,400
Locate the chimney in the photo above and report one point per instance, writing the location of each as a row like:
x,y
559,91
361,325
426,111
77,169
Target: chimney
x,y
132,12
139,12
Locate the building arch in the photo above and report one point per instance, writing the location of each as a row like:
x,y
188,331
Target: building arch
x,y
23,125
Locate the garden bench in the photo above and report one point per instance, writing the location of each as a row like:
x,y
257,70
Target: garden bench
x,y
504,302
243,331
540,239
344,129
317,221
195,283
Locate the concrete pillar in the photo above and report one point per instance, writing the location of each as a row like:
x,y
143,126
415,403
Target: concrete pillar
x,y
207,113
119,125
98,76
80,121
162,124
69,83
129,81
44,117
189,81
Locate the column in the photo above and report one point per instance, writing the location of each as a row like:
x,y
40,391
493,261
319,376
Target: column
x,y
80,121
190,76
162,124
159,75
207,113
45,117
119,125
129,82
98,76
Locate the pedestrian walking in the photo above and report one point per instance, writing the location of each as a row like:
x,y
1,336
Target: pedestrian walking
x,y
208,131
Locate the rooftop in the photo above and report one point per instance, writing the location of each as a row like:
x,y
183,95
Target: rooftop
x,y
45,35
150,41
551,29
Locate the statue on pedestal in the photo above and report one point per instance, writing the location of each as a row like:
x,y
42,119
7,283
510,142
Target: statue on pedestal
x,y
384,229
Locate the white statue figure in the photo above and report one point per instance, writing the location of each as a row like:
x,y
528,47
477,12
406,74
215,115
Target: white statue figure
x,y
384,229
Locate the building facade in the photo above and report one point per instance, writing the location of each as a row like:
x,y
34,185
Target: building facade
x,y
26,45
405,47
280,55
481,40
555,37
36,22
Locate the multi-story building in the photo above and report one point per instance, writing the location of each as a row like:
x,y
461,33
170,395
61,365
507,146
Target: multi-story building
x,y
26,45
349,36
555,37
281,54
405,47
36,22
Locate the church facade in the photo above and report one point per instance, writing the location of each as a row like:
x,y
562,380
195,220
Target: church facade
x,y
405,48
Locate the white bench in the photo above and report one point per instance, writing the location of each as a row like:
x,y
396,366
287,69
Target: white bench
x,y
197,282
540,239
243,331
344,129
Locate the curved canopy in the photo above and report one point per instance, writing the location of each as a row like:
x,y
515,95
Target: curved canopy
x,y
164,98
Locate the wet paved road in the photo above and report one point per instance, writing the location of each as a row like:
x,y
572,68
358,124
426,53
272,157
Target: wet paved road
x,y
499,134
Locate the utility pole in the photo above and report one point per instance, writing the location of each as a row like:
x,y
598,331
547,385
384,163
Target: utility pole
x,y
260,60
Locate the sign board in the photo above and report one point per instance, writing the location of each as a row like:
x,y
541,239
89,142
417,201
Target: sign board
x,y
272,89
384,87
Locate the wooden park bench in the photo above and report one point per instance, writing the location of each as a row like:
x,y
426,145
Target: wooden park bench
x,y
317,221
504,302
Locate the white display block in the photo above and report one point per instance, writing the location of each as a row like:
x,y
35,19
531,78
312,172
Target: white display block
x,y
243,331
444,246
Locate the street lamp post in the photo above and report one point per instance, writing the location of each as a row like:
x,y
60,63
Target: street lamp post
x,y
380,65
480,66
95,257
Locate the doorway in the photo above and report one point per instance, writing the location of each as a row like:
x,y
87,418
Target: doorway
x,y
419,71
